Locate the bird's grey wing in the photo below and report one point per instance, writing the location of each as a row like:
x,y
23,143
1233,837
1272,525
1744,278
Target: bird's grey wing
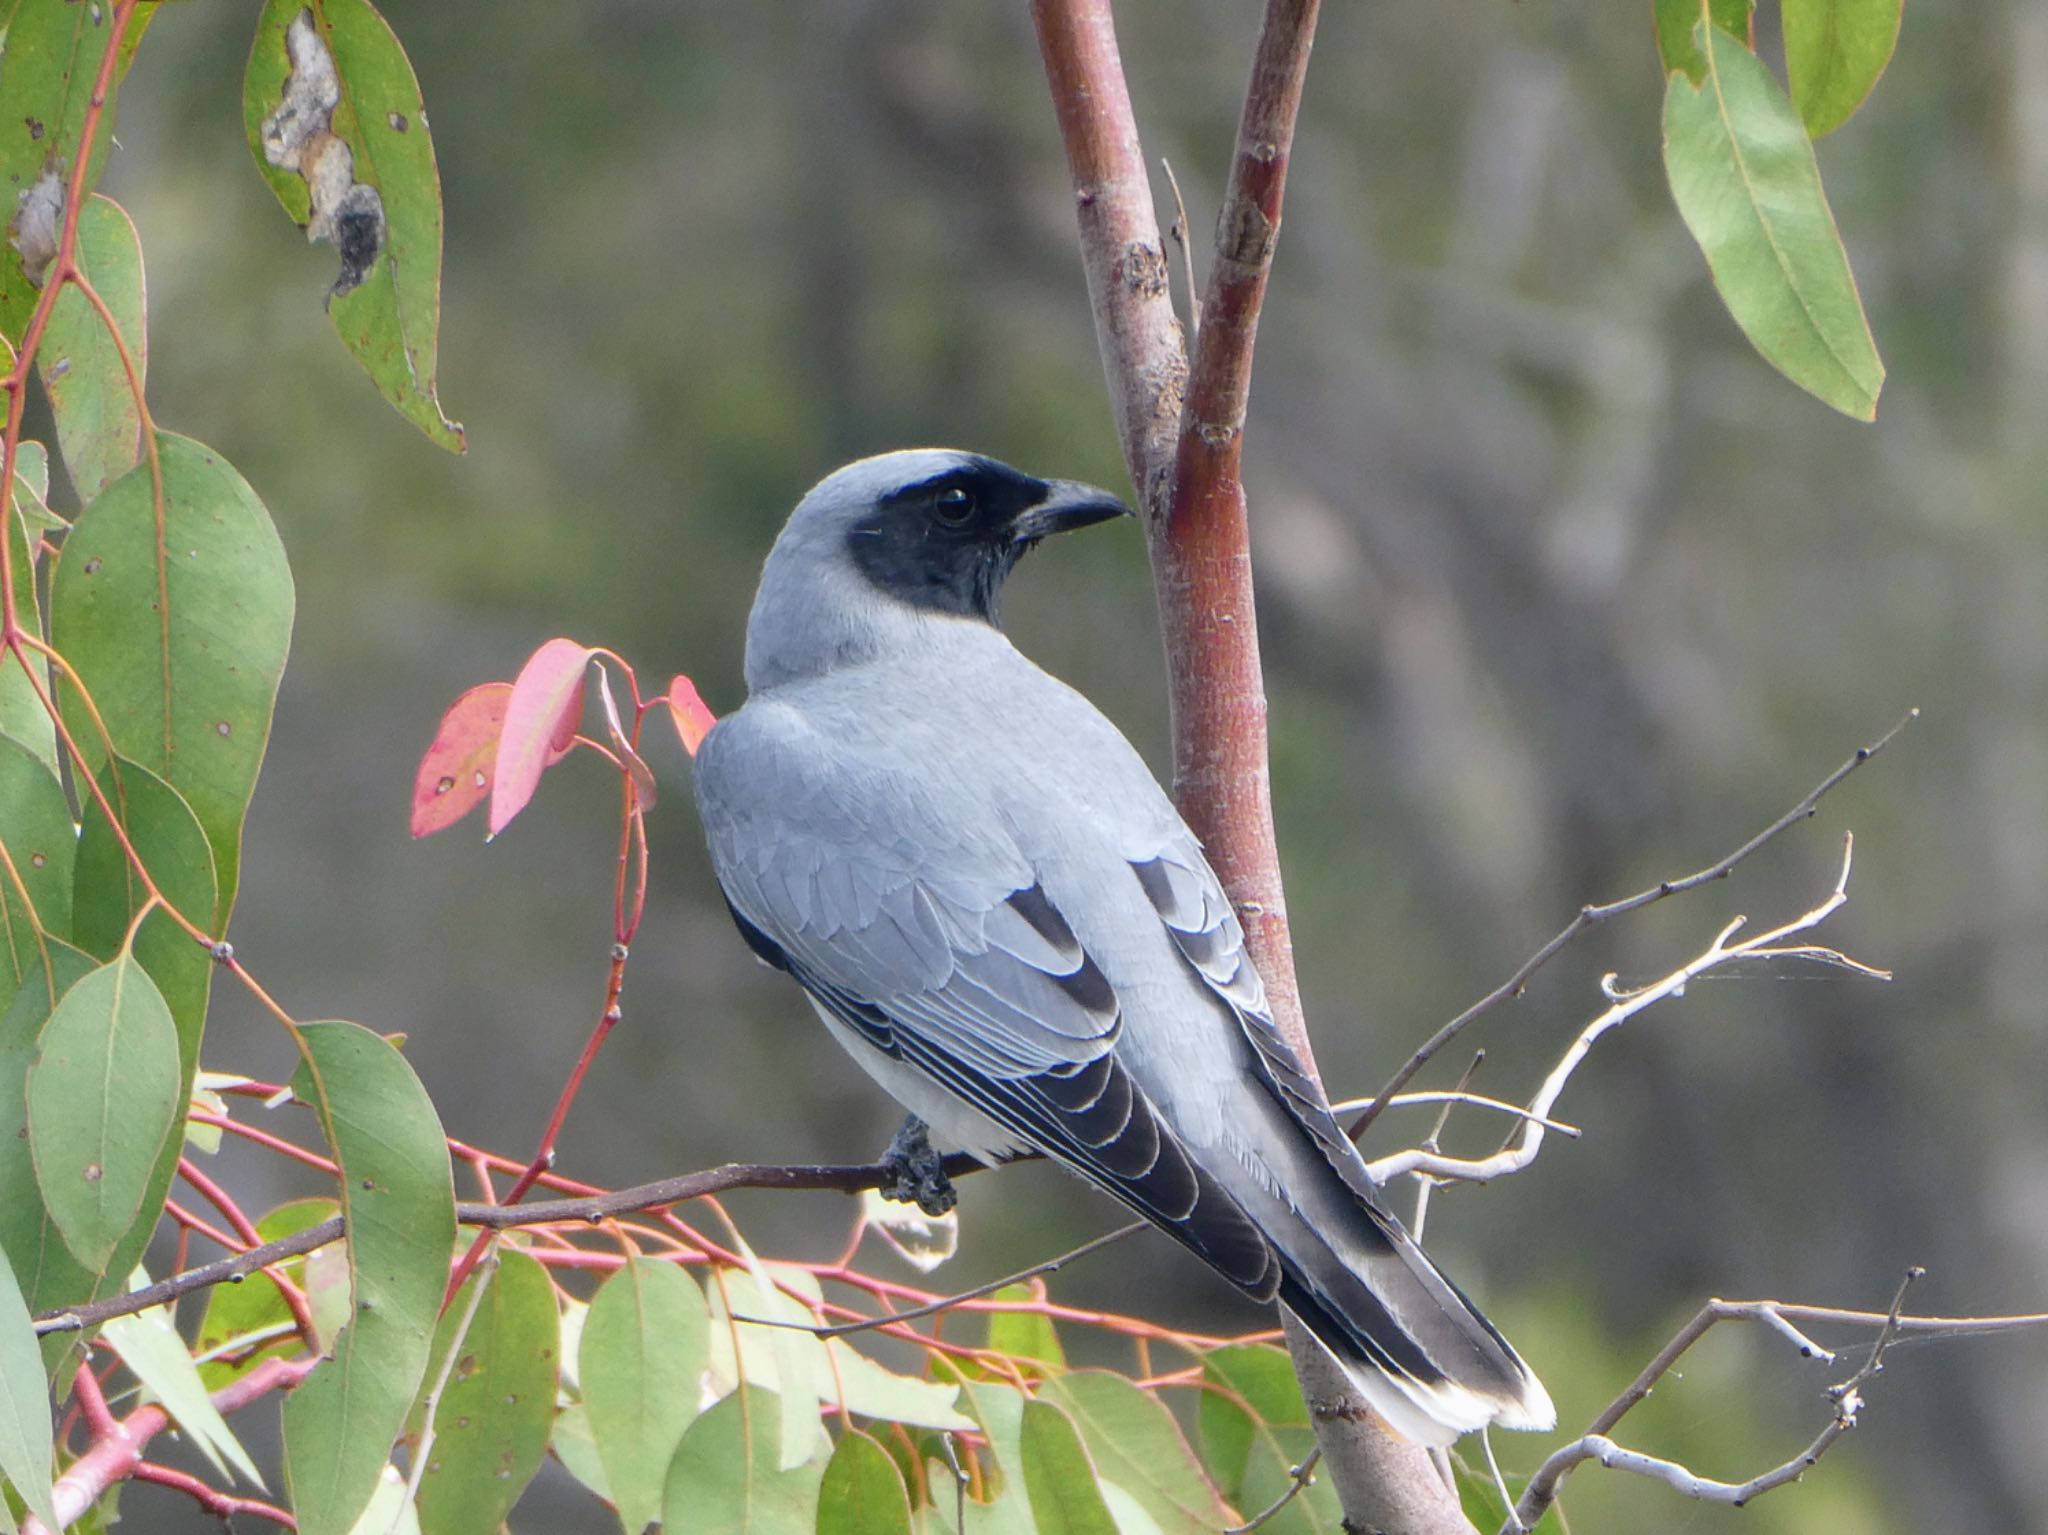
x,y
1185,893
926,932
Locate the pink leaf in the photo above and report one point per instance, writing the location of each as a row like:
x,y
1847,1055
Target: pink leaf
x,y
455,774
693,720
636,768
541,719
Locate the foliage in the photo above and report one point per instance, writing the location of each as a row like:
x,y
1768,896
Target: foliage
x,y
670,1370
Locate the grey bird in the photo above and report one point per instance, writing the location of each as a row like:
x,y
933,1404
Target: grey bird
x,y
998,912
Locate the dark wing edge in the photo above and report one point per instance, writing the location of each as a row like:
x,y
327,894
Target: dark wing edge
x,y
1088,1114
1432,1361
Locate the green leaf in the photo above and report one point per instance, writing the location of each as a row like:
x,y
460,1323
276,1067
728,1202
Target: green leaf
x,y
789,1362
1678,20
1835,50
576,1448
103,1098
1743,175
1025,1334
387,304
25,1437
1255,1429
862,1492
999,1410
727,1477
22,715
398,1196
1058,1477
49,1276
149,1345
99,421
39,843
859,1385
641,1365
106,894
254,1308
1137,1445
53,56
491,1427
180,642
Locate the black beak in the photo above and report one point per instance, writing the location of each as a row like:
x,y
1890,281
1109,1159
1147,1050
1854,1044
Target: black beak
x,y
1066,505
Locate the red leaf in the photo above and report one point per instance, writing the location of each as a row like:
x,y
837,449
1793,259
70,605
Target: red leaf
x,y
455,774
540,723
693,720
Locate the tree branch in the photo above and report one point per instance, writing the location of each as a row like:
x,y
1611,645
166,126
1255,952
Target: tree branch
x,y
541,1212
1590,916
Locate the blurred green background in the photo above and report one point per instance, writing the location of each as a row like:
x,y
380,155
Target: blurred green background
x,y
1563,591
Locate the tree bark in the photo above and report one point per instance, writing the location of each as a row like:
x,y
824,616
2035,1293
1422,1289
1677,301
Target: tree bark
x,y
1182,430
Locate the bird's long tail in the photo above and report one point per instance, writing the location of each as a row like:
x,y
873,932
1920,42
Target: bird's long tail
x,y
1422,1355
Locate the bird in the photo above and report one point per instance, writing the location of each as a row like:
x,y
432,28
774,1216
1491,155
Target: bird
x,y
998,912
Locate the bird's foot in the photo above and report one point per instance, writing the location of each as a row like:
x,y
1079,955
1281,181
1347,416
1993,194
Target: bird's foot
x,y
916,1173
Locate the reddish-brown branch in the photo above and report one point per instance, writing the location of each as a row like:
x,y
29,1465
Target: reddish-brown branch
x,y
224,1506
293,1297
116,1454
1122,254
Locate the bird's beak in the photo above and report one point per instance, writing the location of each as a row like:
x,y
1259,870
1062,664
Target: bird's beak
x,y
1067,505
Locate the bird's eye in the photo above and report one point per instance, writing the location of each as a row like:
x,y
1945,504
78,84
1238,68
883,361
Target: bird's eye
x,y
953,506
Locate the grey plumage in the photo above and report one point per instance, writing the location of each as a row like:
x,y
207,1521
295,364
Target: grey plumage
x,y
998,912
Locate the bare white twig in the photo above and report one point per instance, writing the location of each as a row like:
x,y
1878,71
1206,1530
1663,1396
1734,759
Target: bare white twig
x,y
1590,916
1845,1398
1476,1100
1426,1162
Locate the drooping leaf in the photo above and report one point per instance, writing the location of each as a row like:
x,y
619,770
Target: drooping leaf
x,y
641,1364
1027,1335
99,421
727,1477
334,118
49,1276
181,642
455,775
398,1195
644,787
862,1492
53,57
37,838
1255,1429
1677,20
106,893
104,1095
576,1448
491,1425
541,717
26,1442
389,1512
793,1365
1835,50
1058,1478
253,1310
1137,1444
1743,175
150,1347
23,717
692,717
864,1388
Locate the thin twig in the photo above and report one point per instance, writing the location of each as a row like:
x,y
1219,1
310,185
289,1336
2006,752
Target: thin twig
x,y
947,1302
1845,1399
1521,1148
1179,231
1298,1479
1590,916
646,1196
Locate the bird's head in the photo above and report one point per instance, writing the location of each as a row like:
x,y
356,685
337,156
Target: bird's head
x,y
930,530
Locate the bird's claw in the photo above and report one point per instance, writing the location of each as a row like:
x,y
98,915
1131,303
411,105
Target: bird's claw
x,y
917,1173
